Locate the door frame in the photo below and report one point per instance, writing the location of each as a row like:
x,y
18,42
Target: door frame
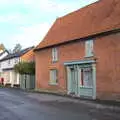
x,y
69,76
93,65
94,80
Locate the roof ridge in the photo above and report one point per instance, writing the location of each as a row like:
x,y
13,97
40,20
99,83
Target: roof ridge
x,y
84,7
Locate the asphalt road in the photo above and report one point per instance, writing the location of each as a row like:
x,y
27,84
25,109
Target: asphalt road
x,y
19,105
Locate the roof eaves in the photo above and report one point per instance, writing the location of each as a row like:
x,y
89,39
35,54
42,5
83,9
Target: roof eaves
x,y
15,55
26,50
84,38
4,52
7,58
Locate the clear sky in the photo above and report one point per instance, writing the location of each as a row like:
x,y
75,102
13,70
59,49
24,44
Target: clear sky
x,y
27,21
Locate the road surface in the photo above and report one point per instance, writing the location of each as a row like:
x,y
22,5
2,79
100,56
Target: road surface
x,y
19,105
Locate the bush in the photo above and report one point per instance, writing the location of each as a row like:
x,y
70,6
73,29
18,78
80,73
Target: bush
x,y
25,68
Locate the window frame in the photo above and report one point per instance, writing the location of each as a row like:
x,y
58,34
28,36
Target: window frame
x,y
55,81
82,82
89,48
54,54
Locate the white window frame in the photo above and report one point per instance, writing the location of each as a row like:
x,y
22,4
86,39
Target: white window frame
x,y
53,77
89,48
54,54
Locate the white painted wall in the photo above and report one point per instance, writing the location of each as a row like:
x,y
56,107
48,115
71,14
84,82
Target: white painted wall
x,y
14,78
9,63
9,75
3,55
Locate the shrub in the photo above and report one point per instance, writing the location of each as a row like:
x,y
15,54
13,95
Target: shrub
x,y
25,68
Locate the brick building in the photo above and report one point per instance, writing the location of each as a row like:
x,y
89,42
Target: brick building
x,y
80,55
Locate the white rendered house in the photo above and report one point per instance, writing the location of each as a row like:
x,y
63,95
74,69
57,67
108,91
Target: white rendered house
x,y
7,67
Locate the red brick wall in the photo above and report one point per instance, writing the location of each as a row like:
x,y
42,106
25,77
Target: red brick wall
x,y
107,52
71,52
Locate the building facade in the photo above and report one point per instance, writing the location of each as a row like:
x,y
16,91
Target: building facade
x,y
7,66
7,71
82,62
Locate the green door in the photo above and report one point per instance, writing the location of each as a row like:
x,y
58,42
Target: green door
x,y
74,81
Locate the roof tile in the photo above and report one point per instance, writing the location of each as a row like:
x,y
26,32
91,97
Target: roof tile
x,y
98,17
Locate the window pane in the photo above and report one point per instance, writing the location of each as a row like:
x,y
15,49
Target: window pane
x,y
89,48
87,77
54,54
53,76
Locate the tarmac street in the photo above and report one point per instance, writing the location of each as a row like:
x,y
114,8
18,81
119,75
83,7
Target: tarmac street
x,y
16,104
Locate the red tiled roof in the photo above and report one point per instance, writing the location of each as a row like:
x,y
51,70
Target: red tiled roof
x,y
98,17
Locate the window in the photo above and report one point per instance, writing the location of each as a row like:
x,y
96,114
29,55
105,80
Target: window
x,y
9,61
89,48
53,77
86,77
16,60
54,55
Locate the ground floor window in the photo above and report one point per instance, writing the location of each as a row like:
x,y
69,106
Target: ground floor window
x,y
86,77
53,77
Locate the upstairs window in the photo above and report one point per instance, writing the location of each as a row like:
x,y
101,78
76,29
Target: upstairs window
x,y
9,61
53,77
89,48
54,54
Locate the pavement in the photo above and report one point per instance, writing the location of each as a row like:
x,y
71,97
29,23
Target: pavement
x,y
16,104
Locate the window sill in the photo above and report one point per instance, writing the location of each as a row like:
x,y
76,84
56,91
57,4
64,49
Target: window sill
x,y
89,56
55,61
86,87
53,83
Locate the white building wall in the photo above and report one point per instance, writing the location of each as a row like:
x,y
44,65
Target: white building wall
x,y
18,78
3,55
9,63
6,76
9,75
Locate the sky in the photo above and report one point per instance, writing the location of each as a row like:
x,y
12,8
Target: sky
x,y
27,21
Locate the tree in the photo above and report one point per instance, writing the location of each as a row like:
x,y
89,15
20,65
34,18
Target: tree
x,y
2,47
25,68
17,48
